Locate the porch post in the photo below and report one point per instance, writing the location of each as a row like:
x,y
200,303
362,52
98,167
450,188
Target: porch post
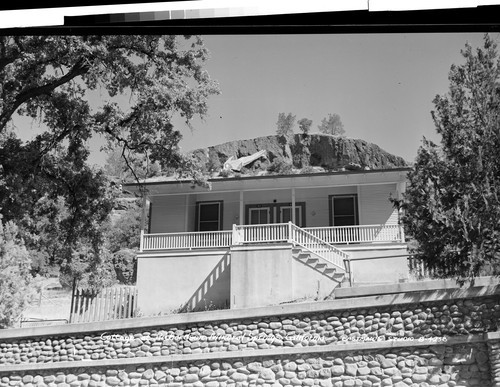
x,y
400,190
143,220
241,208
143,212
186,214
294,221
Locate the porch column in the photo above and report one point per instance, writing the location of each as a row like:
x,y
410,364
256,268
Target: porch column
x,y
293,206
241,208
400,190
186,214
143,220
143,211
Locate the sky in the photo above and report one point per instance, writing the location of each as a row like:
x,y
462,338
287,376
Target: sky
x,y
381,85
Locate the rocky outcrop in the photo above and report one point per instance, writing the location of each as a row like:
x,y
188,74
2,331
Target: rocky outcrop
x,y
316,150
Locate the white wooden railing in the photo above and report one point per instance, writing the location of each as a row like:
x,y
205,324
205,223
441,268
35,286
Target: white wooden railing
x,y
288,232
186,240
262,233
359,234
318,247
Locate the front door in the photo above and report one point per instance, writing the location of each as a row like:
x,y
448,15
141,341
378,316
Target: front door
x,y
259,215
269,213
286,214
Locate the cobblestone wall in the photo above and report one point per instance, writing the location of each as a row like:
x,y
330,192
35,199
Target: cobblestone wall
x,y
460,365
494,357
435,319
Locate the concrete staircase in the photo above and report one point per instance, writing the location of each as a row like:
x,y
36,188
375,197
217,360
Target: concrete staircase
x,y
319,264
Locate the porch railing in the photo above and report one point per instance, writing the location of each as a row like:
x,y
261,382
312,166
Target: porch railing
x,y
186,240
288,232
262,233
359,234
317,246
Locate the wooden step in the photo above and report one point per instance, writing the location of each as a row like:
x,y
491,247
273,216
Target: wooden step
x,y
303,255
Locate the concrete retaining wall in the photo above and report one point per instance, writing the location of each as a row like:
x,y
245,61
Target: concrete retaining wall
x,y
169,282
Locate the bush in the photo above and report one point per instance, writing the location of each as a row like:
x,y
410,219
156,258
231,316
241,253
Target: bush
x,y
15,277
307,169
279,167
225,173
125,264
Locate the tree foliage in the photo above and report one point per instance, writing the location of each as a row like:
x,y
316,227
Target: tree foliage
x,y
305,125
285,125
15,275
452,205
49,77
332,125
139,165
126,89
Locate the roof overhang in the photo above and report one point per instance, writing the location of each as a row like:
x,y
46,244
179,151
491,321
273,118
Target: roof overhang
x,y
274,182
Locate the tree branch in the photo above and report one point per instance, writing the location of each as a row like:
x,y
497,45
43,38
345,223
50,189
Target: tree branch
x,y
78,69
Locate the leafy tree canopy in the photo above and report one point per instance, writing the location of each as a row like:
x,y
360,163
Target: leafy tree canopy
x,y
332,125
305,125
452,204
15,278
48,77
59,202
284,125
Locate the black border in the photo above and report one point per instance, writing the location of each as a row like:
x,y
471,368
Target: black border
x,y
483,18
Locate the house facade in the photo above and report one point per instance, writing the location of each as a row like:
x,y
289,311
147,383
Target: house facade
x,y
263,240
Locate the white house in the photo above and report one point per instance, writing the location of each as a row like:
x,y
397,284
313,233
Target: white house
x,y
264,240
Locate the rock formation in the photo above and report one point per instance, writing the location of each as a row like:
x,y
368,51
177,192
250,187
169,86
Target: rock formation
x,y
325,152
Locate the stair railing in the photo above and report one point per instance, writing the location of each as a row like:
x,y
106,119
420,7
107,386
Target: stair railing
x,y
318,247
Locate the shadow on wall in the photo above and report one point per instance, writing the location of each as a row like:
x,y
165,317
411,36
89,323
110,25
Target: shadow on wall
x,y
212,293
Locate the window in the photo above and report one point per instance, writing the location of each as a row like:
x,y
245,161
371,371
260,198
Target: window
x,y
259,215
286,214
343,210
209,216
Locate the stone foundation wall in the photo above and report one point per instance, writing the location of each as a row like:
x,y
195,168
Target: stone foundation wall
x,y
390,340
432,319
459,365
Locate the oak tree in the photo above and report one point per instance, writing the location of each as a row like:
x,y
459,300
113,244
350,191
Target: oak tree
x,y
126,89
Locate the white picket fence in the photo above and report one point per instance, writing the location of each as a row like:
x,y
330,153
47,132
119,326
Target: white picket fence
x,y
107,304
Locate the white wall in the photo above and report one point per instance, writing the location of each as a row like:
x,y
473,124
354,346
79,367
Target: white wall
x,y
168,282
374,204
317,208
264,276
168,214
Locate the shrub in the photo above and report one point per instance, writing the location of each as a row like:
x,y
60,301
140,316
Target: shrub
x,y
280,167
15,277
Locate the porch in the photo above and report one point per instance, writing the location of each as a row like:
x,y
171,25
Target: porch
x,y
270,233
